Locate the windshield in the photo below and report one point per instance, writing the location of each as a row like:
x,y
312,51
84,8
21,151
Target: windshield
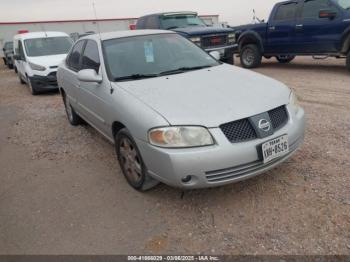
x,y
8,45
344,4
152,56
48,46
180,21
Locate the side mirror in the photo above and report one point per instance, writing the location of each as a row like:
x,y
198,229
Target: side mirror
x,y
215,54
89,76
330,14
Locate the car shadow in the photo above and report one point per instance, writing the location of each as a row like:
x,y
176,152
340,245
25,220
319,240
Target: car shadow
x,y
317,66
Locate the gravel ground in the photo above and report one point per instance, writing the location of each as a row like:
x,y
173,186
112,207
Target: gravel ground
x,y
62,191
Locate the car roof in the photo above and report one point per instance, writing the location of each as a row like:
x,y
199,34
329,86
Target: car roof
x,y
39,35
128,33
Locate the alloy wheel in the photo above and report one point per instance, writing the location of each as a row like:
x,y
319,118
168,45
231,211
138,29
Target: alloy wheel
x,y
130,161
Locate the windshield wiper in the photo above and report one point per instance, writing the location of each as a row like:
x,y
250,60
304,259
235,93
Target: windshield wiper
x,y
183,69
135,77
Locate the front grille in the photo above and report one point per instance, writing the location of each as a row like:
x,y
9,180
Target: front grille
x,y
52,78
214,41
242,130
279,117
246,170
239,131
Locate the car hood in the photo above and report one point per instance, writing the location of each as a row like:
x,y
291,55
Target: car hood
x,y
47,61
209,97
202,30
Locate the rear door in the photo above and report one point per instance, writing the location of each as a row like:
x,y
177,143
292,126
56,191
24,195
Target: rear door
x,y
70,74
281,28
315,34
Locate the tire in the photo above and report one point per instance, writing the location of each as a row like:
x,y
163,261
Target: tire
x,y
229,60
32,89
16,71
21,80
73,118
250,56
348,61
10,66
285,59
131,163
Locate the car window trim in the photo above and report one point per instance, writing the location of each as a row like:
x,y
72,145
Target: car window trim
x,y
83,53
80,59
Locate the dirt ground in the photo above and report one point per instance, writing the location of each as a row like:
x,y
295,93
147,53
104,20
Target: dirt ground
x,y
62,192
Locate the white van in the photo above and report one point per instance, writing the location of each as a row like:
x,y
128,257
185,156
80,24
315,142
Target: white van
x,y
37,56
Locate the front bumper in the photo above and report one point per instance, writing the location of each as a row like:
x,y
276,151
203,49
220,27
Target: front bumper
x,y
225,52
44,83
221,164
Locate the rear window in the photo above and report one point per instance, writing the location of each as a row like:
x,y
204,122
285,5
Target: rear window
x,y
286,11
312,8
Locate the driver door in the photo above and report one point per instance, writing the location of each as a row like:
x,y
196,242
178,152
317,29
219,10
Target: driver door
x,y
281,29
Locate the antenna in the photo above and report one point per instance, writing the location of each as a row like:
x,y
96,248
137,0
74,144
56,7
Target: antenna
x,y
97,23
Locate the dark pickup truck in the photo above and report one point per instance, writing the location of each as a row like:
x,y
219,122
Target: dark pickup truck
x,y
189,25
8,54
298,27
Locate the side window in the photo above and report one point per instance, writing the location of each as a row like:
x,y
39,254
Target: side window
x,y
91,58
286,12
311,8
153,22
74,57
20,50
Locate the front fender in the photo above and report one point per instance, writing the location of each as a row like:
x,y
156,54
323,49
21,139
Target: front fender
x,y
250,37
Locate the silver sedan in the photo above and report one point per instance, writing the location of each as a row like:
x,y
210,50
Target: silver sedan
x,y
174,113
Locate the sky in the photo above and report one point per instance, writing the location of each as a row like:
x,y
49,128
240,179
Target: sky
x,y
234,12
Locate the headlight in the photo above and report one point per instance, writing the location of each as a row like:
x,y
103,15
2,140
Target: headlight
x,y
180,137
232,38
293,101
37,67
196,40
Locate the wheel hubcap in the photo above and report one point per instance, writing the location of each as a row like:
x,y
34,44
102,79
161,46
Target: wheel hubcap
x,y
248,57
130,161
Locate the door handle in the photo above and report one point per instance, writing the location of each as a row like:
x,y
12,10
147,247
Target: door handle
x,y
300,26
272,28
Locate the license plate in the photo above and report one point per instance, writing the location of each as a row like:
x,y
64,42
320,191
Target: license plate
x,y
275,148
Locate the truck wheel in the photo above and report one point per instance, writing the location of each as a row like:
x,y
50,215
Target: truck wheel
x,y
131,162
10,66
250,56
348,61
285,59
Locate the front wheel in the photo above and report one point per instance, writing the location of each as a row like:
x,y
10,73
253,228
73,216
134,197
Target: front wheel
x,y
348,61
131,162
285,59
250,56
32,89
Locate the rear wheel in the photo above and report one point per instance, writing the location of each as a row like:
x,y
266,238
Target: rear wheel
x,y
131,162
348,61
285,59
250,56
73,118
10,66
